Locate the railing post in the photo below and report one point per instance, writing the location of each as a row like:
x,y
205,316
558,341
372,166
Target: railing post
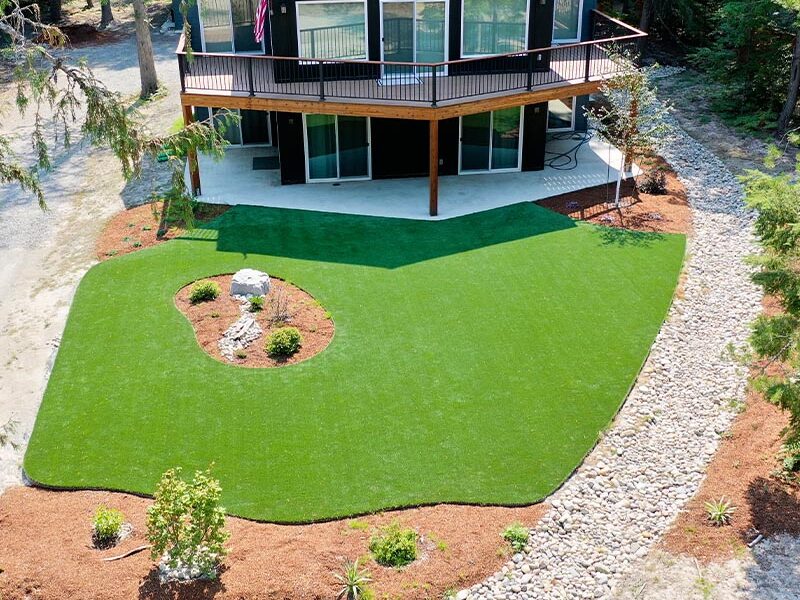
x,y
182,71
250,75
321,82
588,71
433,85
529,85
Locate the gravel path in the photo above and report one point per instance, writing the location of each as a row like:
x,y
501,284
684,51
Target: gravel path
x,y
43,255
605,519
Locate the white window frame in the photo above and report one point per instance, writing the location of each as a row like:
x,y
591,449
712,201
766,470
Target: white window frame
x,y
391,78
311,59
527,33
491,146
239,125
230,25
580,27
572,124
366,177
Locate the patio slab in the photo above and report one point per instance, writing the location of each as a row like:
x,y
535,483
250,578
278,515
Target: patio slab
x,y
232,180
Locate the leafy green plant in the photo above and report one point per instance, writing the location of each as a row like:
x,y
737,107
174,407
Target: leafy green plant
x,y
517,536
106,526
719,512
394,546
284,341
186,524
789,460
355,582
256,303
204,291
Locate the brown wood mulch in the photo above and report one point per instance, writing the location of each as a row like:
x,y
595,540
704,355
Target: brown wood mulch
x,y
741,472
661,213
46,552
137,228
211,319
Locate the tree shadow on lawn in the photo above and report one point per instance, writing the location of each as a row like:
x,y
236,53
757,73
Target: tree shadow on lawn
x,y
372,241
151,588
617,236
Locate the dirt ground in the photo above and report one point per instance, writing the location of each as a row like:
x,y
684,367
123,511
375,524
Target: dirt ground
x,y
663,213
46,552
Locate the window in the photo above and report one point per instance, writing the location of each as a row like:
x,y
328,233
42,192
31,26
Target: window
x,y
561,114
335,30
490,141
567,21
227,25
491,27
337,147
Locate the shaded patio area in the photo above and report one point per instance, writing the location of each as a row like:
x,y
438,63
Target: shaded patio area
x,y
233,180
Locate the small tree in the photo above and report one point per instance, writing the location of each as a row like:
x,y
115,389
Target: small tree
x,y
631,118
185,524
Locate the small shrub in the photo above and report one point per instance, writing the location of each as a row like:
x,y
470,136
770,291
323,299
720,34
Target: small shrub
x,y
517,536
185,524
284,341
278,305
106,526
394,546
256,303
354,582
654,181
789,457
719,512
204,291
240,353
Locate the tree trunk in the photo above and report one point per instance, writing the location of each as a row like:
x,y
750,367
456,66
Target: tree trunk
x,y
106,16
794,85
646,20
619,182
55,11
144,44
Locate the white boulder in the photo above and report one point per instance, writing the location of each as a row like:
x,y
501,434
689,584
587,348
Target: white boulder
x,y
249,282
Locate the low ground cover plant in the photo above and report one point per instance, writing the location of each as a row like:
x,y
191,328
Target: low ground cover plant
x,y
719,512
517,536
394,546
256,303
789,463
186,524
106,526
204,291
284,341
355,582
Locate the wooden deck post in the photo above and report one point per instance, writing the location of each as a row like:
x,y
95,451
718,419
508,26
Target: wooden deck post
x,y
433,166
194,168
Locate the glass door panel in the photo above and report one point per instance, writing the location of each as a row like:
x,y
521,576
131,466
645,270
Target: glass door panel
x,y
255,127
229,128
243,13
321,138
398,36
353,147
475,142
505,138
216,20
430,30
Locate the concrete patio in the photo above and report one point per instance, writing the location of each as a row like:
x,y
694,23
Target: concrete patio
x,y
232,180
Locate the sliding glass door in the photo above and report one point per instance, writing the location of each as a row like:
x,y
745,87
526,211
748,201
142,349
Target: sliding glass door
x,y
337,147
490,141
227,26
413,31
251,129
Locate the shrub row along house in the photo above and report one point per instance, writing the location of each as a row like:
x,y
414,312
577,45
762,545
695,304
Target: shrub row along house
x,y
378,89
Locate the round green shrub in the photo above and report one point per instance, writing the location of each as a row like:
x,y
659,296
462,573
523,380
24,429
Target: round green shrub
x,y
284,341
517,536
394,546
256,303
204,291
107,525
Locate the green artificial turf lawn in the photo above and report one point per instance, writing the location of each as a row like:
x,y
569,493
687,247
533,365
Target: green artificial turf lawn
x,y
475,360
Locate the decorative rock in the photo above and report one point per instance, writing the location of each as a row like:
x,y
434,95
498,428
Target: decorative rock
x,y
249,282
239,336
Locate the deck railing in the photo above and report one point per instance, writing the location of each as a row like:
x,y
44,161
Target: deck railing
x,y
410,83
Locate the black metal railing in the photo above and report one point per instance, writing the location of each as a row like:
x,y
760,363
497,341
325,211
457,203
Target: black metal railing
x,y
409,83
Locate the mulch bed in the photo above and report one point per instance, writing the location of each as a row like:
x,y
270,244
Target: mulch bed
x,y
46,553
211,319
663,213
742,472
137,228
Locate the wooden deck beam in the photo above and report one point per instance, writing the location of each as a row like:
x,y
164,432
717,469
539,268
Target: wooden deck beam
x,y
433,167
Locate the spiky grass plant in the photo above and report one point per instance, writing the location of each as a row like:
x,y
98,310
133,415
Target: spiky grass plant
x,y
355,582
719,512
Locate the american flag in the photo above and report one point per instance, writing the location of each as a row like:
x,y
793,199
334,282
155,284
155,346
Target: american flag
x,y
261,17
